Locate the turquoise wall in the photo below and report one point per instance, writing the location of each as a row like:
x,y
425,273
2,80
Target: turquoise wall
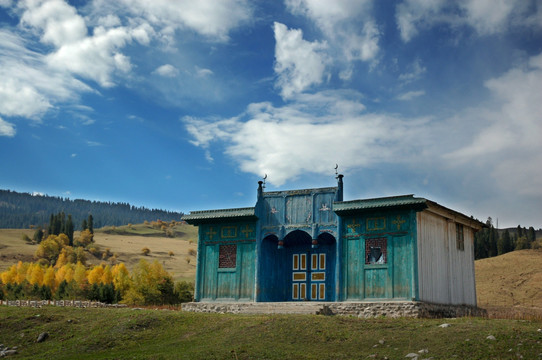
x,y
392,279
232,282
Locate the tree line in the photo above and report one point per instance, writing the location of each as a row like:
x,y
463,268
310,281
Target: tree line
x,y
490,242
23,210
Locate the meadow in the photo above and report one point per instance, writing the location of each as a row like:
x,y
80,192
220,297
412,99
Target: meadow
x,y
165,334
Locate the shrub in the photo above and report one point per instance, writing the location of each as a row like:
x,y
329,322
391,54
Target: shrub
x,y
184,291
145,251
171,253
85,238
192,252
95,250
38,236
106,254
26,238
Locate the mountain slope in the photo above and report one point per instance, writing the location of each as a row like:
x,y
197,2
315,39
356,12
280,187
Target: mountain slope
x,y
511,279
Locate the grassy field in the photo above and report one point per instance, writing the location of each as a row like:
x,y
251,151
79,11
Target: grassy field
x,y
511,279
125,241
162,334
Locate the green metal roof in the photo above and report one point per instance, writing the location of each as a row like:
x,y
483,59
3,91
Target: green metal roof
x,y
379,203
227,214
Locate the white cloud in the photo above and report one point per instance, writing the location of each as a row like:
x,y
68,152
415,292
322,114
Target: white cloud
x,y
29,87
509,147
299,64
413,14
285,142
485,16
410,95
7,129
59,22
340,21
167,70
203,72
416,70
329,13
109,20
214,19
95,57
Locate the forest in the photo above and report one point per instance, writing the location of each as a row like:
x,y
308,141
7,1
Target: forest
x,y
490,242
24,210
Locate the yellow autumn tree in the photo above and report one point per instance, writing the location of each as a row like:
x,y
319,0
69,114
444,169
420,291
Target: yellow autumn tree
x,y
80,274
60,274
50,248
121,278
95,274
107,277
49,278
148,284
21,272
10,275
63,239
35,274
62,259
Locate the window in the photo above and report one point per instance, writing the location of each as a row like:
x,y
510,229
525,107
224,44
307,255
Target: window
x,y
227,256
376,251
459,238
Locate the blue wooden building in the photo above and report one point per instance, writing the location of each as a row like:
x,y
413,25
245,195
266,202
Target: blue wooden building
x,y
311,245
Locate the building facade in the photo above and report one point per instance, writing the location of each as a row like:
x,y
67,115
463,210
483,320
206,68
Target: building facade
x,y
311,245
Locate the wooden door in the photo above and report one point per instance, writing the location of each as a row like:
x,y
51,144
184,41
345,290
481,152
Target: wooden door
x,y
309,276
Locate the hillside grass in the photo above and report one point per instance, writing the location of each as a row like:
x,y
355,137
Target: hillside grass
x,y
161,334
510,285
125,241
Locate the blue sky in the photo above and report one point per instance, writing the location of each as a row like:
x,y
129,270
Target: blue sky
x,y
185,105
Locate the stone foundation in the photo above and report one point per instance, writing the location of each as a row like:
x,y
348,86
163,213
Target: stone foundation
x,y
392,309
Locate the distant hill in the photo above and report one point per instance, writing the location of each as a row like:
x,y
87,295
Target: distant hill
x,y
510,280
21,210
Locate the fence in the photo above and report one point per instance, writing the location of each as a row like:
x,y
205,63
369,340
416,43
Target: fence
x,y
64,303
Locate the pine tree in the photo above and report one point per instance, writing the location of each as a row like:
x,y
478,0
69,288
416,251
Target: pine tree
x,y
507,242
38,235
91,224
531,235
69,229
492,242
51,228
481,244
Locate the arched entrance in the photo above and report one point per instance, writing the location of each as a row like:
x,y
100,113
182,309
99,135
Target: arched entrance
x,y
295,269
310,266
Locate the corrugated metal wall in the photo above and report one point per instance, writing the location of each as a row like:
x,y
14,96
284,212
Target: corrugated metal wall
x,y
445,273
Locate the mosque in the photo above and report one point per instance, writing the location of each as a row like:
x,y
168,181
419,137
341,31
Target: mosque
x,y
312,245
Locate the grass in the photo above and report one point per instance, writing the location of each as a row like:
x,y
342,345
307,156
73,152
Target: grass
x,y
161,334
511,279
